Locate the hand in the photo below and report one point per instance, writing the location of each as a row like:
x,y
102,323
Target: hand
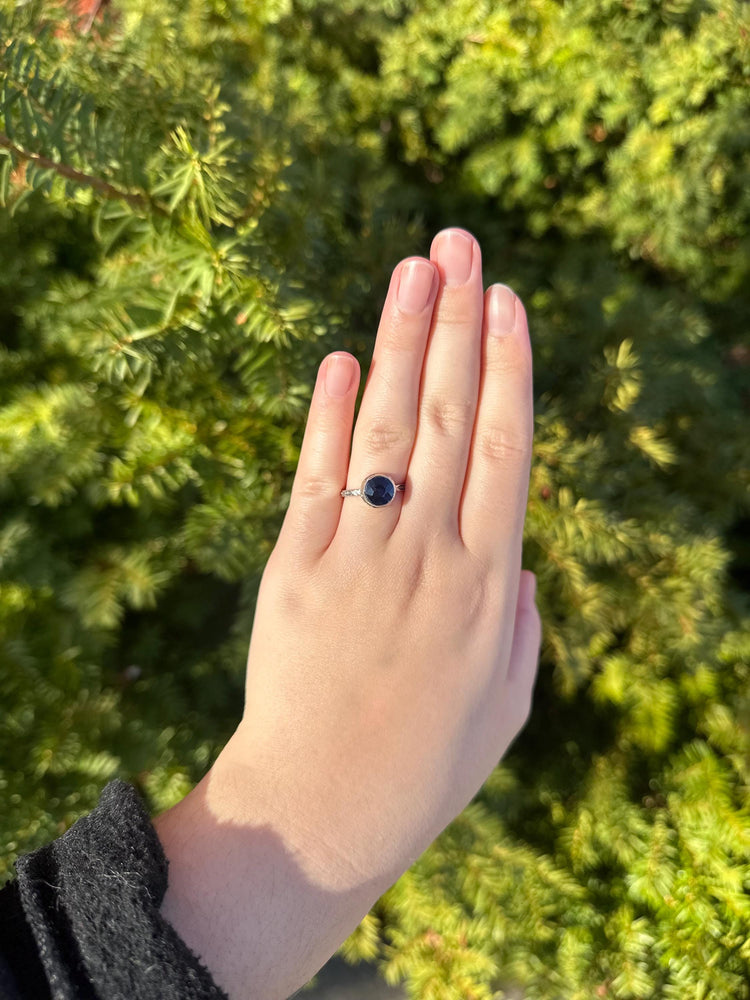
x,y
394,649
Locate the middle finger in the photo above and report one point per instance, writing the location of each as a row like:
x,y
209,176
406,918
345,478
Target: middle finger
x,y
449,387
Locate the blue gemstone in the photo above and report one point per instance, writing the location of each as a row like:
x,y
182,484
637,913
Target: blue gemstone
x,y
378,491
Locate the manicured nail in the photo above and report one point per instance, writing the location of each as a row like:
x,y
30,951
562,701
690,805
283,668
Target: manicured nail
x,y
415,286
340,370
454,252
502,311
529,587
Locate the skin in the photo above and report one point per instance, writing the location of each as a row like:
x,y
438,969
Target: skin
x,y
394,650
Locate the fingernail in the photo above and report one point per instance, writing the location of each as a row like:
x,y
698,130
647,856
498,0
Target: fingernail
x,y
454,252
529,587
339,374
502,311
415,286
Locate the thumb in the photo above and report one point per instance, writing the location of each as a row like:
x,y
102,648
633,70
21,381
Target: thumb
x,y
524,653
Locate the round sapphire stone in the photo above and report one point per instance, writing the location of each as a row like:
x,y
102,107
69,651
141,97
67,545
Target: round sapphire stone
x,y
378,491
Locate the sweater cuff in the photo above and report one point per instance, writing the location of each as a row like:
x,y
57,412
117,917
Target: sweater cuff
x,y
92,899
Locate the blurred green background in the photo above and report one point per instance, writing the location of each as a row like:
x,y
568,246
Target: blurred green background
x,y
200,201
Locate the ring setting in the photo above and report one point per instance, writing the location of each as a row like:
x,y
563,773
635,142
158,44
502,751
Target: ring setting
x,y
377,490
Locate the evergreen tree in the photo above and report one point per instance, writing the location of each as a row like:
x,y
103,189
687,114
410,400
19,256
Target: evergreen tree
x,y
199,202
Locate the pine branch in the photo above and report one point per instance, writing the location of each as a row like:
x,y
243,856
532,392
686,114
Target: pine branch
x,y
86,180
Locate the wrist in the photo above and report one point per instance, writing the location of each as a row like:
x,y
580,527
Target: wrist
x,y
260,908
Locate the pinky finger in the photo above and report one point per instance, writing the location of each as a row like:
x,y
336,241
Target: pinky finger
x,y
315,504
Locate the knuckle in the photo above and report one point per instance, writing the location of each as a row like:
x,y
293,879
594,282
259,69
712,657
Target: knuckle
x,y
314,488
448,417
503,445
381,437
455,314
500,364
459,323
400,338
508,356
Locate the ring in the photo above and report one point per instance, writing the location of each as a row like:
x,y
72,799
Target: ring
x,y
376,491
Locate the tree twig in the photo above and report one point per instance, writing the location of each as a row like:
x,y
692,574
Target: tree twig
x,y
87,180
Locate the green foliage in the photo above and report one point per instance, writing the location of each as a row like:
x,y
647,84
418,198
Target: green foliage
x,y
199,202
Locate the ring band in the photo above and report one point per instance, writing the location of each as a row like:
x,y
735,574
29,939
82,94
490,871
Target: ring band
x,y
377,490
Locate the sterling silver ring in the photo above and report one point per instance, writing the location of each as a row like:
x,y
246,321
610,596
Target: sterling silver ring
x,y
377,490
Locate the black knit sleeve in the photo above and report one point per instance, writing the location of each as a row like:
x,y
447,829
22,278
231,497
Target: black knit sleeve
x,y
19,958
81,921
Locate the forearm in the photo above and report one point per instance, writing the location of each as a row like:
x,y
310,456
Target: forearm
x,y
261,912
